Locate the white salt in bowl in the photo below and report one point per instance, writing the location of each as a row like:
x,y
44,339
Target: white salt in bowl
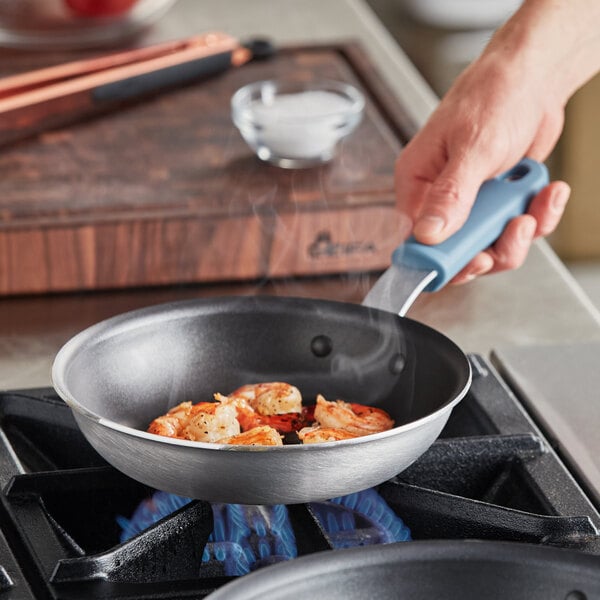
x,y
296,124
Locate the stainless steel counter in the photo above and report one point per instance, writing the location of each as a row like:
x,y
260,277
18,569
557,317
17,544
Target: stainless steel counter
x,y
540,303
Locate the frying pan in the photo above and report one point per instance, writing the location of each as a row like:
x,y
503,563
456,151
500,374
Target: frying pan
x,y
465,570
120,374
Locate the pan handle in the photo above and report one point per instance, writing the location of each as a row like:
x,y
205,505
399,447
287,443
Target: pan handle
x,y
498,201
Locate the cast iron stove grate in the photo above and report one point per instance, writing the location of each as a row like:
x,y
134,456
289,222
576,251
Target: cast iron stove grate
x,y
490,476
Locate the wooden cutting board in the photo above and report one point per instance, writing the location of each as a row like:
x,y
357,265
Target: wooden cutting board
x,y
166,191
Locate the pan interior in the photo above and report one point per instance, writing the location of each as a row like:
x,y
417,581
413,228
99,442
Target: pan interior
x,y
135,367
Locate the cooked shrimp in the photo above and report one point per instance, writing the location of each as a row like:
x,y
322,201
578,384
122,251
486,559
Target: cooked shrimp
x,y
274,398
211,422
263,411
258,436
318,434
249,418
173,422
355,418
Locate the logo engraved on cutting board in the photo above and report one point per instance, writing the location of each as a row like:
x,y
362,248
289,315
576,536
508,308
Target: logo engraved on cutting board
x,y
324,246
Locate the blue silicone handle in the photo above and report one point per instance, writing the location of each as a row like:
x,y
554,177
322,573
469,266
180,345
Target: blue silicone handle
x,y
499,200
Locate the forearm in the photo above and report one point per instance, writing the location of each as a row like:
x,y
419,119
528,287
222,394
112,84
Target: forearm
x,y
554,41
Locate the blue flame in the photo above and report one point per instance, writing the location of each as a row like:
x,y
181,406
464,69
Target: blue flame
x,y
248,537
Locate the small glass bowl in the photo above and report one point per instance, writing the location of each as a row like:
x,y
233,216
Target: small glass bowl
x,y
296,124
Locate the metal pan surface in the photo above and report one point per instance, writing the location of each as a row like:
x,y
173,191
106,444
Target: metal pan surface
x,y
465,570
120,374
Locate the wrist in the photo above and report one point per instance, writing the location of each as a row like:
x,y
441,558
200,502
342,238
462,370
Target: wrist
x,y
555,45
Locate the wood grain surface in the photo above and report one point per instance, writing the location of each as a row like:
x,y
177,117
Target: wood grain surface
x,y
166,191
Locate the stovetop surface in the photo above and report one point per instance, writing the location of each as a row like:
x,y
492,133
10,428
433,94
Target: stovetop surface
x,y
491,475
563,406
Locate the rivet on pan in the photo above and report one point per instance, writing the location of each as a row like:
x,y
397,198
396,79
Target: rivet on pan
x,y
321,345
575,595
397,364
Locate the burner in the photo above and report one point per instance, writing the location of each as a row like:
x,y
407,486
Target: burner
x,y
245,538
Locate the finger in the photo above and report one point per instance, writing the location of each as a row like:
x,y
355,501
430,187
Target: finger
x,y
509,251
416,168
548,206
511,248
410,191
449,199
480,265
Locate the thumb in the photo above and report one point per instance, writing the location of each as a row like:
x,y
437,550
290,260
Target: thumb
x,y
448,201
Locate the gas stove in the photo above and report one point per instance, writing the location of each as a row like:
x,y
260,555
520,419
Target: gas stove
x,y
73,527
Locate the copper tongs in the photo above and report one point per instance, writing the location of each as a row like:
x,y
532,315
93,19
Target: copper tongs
x,y
45,98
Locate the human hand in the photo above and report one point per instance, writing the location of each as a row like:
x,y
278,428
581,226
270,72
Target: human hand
x,y
498,111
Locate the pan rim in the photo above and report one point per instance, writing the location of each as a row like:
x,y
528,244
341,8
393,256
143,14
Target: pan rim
x,y
136,317
284,575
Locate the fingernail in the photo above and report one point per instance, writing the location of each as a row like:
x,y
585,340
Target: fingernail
x,y
429,225
559,201
526,232
465,278
469,276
